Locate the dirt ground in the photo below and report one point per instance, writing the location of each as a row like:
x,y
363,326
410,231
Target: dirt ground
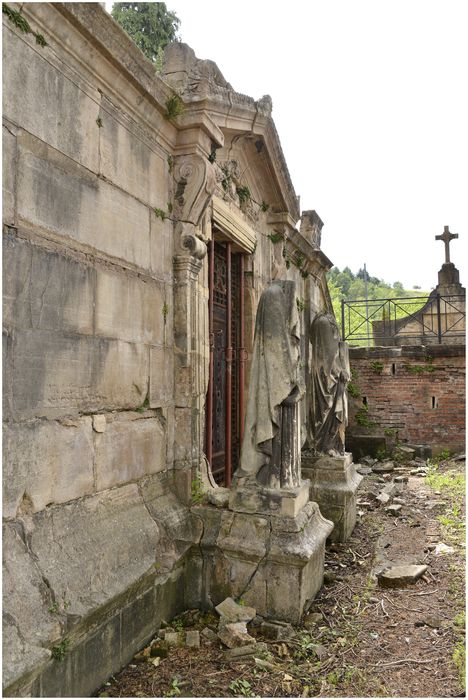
x,y
358,640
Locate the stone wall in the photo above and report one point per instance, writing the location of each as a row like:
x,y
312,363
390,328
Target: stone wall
x,y
413,394
107,210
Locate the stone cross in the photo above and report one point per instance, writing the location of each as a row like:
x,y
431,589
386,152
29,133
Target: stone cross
x,y
446,237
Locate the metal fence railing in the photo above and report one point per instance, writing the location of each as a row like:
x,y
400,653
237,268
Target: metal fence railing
x,y
414,320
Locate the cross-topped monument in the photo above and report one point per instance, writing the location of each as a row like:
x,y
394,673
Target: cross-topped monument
x,y
446,237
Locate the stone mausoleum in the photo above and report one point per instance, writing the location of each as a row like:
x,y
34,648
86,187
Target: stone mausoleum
x,y
151,241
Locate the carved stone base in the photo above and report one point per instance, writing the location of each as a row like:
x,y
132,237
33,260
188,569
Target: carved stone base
x,y
274,563
286,502
333,485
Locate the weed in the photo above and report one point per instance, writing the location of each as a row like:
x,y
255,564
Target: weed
x,y
160,213
243,193
377,367
174,689
276,237
22,23
301,304
59,651
197,489
390,432
445,454
169,207
54,608
242,688
170,163
419,369
144,406
459,659
165,311
40,40
99,122
362,418
304,274
174,107
353,390
212,156
264,206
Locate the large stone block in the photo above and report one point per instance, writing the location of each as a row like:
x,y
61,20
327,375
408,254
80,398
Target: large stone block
x,y
8,176
95,549
162,246
130,161
129,308
54,375
129,449
45,290
46,462
56,194
43,97
29,628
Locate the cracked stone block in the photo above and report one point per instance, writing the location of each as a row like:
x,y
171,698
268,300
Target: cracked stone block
x,y
172,639
230,611
192,638
401,575
234,634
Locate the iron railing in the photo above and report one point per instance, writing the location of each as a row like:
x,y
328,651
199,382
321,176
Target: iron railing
x,y
403,320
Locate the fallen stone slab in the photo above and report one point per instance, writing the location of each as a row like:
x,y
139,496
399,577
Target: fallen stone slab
x,y
383,467
383,497
407,452
361,469
243,652
234,634
209,635
171,639
442,548
396,576
393,509
230,611
399,501
218,497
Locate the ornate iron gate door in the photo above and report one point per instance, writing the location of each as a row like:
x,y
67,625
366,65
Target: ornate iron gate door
x,y
223,419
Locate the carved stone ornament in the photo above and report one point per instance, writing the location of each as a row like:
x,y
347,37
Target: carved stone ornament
x,y
195,183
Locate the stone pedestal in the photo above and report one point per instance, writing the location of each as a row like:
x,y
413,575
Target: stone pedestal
x,y
333,485
272,560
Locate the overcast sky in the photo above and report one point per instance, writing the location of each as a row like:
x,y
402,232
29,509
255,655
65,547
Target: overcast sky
x,y
370,102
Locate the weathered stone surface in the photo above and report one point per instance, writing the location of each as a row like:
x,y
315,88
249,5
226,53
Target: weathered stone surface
x,y
45,88
400,479
383,467
230,611
363,470
394,509
131,447
401,575
96,372
46,462
161,246
45,290
209,634
192,638
129,308
172,639
161,377
243,652
130,161
218,497
276,630
235,634
383,497
25,598
99,423
96,214
8,176
92,550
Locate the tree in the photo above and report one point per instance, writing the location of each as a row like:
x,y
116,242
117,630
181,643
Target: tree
x,y
150,24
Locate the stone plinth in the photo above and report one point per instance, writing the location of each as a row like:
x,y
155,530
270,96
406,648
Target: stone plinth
x,y
333,485
285,502
273,562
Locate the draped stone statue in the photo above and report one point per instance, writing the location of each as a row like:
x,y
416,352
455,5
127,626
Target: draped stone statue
x,y
329,376
270,454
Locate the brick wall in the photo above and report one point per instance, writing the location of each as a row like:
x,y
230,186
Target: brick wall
x,y
416,394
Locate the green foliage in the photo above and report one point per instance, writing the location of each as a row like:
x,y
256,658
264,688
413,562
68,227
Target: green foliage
x,y
174,106
242,688
160,213
419,369
170,163
275,237
22,23
363,419
244,194
264,206
390,432
301,304
59,651
150,24
353,390
144,406
165,311
459,659
377,367
174,689
99,122
197,489
451,484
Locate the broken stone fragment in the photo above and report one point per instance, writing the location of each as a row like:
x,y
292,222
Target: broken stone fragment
x,y
383,497
159,648
234,634
99,423
401,480
361,469
243,652
368,461
192,638
276,630
209,635
397,576
394,509
172,639
218,497
383,467
230,611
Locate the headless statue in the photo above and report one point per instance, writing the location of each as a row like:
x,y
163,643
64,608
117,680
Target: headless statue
x,y
270,454
330,373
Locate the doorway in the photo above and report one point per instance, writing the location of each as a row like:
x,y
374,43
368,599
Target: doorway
x,y
225,399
